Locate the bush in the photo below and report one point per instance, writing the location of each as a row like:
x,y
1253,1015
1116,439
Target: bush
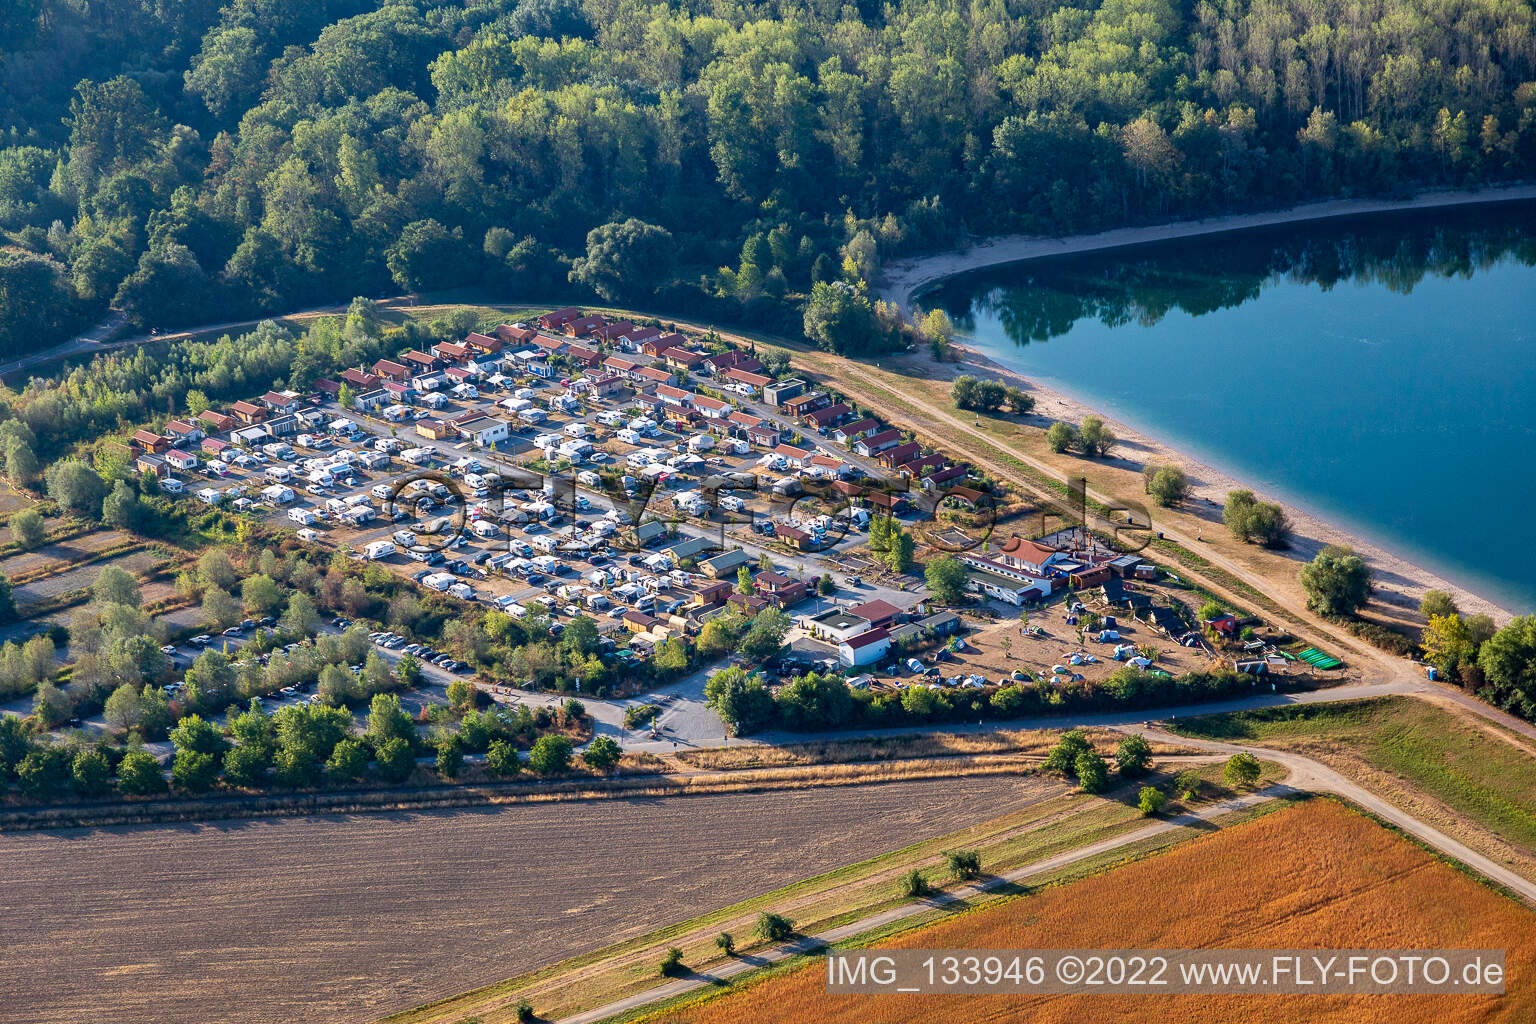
x,y
525,1012
1092,772
1063,756
138,774
502,759
672,963
1242,769
1187,783
1060,436
602,754
964,865
551,755
772,927
1150,800
396,760
1134,755
725,942
914,885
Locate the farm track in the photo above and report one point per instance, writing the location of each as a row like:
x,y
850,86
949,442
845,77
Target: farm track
x,y
341,918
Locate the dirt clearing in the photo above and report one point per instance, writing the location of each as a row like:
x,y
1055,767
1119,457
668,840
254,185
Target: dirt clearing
x,y
350,918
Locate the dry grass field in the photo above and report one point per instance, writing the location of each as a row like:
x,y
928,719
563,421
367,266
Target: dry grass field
x,y
57,554
78,577
349,918
1315,875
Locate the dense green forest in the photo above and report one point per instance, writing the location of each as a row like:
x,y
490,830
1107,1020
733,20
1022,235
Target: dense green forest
x,y
194,161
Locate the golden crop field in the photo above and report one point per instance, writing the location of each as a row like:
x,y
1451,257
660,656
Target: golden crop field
x,y
1315,875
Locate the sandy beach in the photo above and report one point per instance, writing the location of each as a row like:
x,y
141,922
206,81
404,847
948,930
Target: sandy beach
x,y
902,279
1400,582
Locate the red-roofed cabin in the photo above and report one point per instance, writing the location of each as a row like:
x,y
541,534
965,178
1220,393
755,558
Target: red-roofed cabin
x,y
582,326
556,319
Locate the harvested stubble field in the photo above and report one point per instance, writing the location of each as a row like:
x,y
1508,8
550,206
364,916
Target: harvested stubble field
x,y
351,917
1317,874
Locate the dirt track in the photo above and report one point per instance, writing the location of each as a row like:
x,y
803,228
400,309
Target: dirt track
x,y
347,919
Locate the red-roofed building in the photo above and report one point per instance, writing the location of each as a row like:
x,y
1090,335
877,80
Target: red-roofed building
x,y
675,396
914,469
483,343
654,375
851,432
516,334
280,401
583,356
800,405
420,361
452,351
149,441
182,432
552,346
879,613
900,454
793,536
582,326
605,384
779,589
735,359
248,412
388,369
864,649
217,420
764,435
874,444
1028,555
611,333
712,408
755,381
743,420
682,358
555,320
636,339
357,380
936,481
828,416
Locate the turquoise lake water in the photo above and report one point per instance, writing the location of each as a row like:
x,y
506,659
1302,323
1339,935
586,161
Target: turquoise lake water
x,y
1380,372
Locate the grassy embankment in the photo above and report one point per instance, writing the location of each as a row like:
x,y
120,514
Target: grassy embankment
x,y
1470,778
1053,825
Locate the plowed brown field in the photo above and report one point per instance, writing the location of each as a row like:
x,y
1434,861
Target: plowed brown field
x,y
349,918
1317,875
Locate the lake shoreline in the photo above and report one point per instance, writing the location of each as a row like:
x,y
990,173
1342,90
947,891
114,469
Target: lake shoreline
x,y
902,280
1401,581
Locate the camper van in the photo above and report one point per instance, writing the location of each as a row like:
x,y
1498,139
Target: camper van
x,y
302,516
170,485
379,549
279,474
417,456
309,536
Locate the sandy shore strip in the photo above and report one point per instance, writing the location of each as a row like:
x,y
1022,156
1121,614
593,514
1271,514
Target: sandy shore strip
x,y
1399,582
901,280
